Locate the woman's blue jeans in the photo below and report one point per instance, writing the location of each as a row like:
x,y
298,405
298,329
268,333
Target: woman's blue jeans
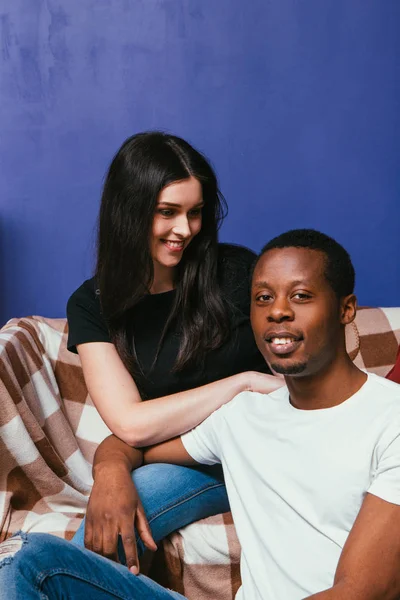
x,y
172,497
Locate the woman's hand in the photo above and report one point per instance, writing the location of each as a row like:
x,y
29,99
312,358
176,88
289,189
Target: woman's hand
x,y
115,508
263,383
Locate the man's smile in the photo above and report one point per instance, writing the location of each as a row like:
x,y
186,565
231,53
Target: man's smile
x,y
282,342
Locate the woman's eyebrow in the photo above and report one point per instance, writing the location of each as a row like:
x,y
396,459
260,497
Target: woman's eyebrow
x,y
180,205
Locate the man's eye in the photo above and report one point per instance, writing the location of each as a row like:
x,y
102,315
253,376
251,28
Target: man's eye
x,y
263,298
302,296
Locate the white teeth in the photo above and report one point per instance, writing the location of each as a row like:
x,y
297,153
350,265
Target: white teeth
x,y
281,341
174,244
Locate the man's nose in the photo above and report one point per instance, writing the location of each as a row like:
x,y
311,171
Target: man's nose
x,y
280,311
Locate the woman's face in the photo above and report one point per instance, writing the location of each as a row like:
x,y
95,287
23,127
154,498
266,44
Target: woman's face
x,y
176,221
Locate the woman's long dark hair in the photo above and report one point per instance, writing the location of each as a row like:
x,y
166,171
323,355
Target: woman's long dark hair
x,y
144,165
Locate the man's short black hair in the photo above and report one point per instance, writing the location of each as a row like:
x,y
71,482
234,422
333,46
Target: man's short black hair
x,y
339,269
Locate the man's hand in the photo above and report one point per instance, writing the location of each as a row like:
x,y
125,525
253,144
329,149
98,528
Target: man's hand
x,y
115,508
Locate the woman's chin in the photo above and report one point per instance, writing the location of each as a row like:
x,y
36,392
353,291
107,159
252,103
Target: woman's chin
x,y
168,262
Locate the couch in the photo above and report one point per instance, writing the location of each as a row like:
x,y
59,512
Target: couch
x,y
49,431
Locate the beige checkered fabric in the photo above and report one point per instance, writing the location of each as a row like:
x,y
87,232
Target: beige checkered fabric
x,y
49,430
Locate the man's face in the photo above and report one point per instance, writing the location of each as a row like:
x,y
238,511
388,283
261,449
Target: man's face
x,y
295,314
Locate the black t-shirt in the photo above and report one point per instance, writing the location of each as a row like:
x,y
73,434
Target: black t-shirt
x,y
238,354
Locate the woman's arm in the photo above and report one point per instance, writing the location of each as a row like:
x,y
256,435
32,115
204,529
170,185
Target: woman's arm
x,y
138,423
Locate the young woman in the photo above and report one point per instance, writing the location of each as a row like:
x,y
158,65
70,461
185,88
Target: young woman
x,y
162,330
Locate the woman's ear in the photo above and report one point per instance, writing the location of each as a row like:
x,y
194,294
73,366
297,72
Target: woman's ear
x,y
348,309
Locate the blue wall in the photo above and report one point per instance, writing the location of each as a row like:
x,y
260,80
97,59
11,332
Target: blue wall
x,y
296,103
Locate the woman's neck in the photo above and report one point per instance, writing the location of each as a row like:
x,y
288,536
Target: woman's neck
x,y
163,280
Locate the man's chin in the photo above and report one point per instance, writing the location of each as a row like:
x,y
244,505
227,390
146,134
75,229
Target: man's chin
x,y
289,369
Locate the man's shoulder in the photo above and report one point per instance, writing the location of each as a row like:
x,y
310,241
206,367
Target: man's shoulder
x,y
384,389
250,401
383,402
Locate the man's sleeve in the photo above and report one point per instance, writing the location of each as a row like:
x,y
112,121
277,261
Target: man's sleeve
x,y
386,481
202,442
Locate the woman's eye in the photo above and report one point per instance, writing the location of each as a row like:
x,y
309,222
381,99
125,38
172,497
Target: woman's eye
x,y
165,212
196,212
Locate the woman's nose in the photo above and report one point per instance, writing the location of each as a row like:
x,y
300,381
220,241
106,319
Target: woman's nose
x,y
181,227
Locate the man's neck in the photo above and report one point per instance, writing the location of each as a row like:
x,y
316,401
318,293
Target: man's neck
x,y
331,386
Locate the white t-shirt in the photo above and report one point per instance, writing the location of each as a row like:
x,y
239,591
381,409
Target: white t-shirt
x,y
296,480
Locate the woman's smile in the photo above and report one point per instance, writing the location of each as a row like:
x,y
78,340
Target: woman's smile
x,y
174,246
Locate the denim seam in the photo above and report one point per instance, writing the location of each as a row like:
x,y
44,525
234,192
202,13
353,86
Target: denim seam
x,y
186,499
43,575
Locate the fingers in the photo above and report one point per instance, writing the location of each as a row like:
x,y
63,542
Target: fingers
x,y
97,540
102,539
110,541
88,536
143,529
129,544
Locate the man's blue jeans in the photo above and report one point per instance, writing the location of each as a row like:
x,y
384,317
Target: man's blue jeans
x,y
174,496
39,566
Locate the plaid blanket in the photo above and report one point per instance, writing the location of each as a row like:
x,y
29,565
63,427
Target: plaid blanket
x,y
49,431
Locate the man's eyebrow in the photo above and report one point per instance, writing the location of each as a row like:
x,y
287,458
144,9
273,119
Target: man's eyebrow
x,y
261,284
296,282
265,284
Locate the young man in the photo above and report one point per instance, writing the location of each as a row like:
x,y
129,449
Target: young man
x,y
312,470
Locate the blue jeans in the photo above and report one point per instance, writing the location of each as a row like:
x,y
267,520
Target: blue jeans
x,y
172,497
39,566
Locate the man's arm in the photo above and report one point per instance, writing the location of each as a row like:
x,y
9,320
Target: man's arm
x,y
114,451
114,505
369,566
171,451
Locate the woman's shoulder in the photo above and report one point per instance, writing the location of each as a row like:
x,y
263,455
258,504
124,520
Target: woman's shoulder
x,y
85,320
235,265
236,256
86,294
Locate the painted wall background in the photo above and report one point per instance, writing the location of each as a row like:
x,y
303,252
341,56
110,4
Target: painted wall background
x,y
296,104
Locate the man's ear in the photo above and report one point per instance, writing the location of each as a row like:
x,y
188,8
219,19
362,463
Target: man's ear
x,y
348,309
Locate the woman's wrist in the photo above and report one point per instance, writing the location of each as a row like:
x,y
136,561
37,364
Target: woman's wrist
x,y
240,383
245,382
